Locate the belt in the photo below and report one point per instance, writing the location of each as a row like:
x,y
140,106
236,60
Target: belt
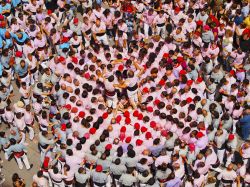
x,y
100,34
227,181
33,70
216,164
23,76
19,154
40,48
169,149
88,32
99,184
75,46
133,88
108,93
160,25
20,43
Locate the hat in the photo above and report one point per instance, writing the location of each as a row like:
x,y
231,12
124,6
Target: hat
x,y
108,147
206,27
162,82
128,139
1,17
138,142
120,67
164,133
157,101
74,110
189,100
152,124
49,12
148,135
140,116
86,135
183,72
74,59
20,104
75,20
81,114
87,76
122,136
61,59
232,72
123,129
197,33
143,129
180,59
68,106
199,135
191,147
190,82
199,23
98,168
145,90
150,109
135,113
65,39
137,126
105,115
19,54
63,127
199,79
177,9
118,119
230,136
92,130
126,114
165,55
127,121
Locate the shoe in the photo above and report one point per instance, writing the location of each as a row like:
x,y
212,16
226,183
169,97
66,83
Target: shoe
x,y
31,166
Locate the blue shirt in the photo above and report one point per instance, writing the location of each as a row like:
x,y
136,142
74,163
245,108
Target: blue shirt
x,y
16,148
23,39
238,20
6,7
64,45
8,43
15,3
245,120
21,71
2,32
1,42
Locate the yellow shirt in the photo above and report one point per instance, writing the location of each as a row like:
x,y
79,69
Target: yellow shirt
x,y
247,21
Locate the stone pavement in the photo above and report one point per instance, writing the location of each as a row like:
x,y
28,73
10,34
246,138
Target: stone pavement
x,y
10,167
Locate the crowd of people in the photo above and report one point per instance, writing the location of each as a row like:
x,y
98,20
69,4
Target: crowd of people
x,y
127,92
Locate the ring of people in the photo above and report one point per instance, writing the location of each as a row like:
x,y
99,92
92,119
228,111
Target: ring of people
x,y
125,93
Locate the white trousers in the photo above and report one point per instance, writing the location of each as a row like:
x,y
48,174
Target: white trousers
x,y
21,160
221,154
161,31
103,39
31,132
133,96
34,77
146,30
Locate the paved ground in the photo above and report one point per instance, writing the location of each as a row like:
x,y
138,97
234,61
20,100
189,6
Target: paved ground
x,y
10,167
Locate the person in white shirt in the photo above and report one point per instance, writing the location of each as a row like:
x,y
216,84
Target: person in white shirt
x,y
99,32
40,180
159,23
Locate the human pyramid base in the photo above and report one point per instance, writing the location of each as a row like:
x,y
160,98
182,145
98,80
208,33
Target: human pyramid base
x,y
126,92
